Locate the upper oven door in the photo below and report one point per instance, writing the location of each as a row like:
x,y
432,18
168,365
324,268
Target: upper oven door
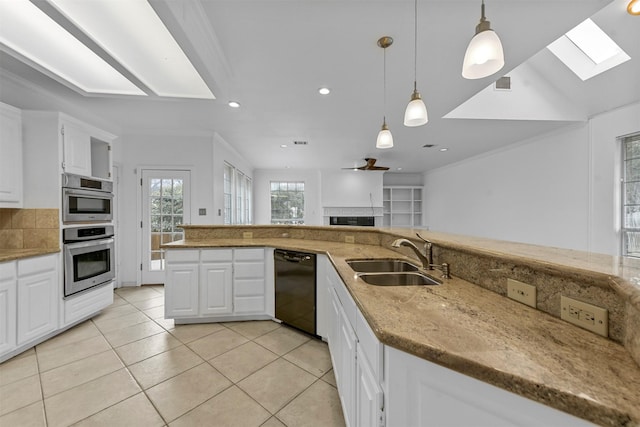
x,y
86,205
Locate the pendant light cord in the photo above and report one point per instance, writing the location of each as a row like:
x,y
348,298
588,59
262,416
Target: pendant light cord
x,y
415,45
384,86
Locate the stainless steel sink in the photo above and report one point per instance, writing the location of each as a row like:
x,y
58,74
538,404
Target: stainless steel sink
x,y
398,279
380,265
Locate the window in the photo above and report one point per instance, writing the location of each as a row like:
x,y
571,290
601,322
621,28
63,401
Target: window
x,y
287,202
631,196
237,196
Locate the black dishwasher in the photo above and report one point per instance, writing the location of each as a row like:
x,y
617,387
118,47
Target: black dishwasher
x,y
296,289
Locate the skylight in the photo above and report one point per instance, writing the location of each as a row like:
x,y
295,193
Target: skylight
x,y
130,32
29,34
133,34
587,50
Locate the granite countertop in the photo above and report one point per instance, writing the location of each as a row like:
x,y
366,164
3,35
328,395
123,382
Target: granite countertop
x,y
16,254
482,334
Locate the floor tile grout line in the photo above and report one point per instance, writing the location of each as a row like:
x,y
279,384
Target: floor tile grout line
x,y
44,408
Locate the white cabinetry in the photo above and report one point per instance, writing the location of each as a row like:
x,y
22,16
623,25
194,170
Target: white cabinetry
x,y
356,355
216,285
421,393
182,284
55,143
76,149
37,297
8,285
249,294
10,157
402,206
216,282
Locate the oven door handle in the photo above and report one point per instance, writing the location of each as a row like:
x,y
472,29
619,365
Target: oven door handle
x,y
95,194
88,243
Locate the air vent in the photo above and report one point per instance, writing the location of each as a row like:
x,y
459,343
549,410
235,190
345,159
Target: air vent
x,y
428,145
503,83
300,142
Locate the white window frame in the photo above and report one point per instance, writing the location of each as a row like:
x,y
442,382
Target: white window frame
x,y
238,196
297,221
625,226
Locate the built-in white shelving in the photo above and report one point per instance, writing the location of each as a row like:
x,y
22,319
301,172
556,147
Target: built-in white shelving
x,y
402,206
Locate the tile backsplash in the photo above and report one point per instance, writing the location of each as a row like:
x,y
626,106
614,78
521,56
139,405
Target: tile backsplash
x,y
29,228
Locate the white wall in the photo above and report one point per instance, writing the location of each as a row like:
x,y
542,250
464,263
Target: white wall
x,y
556,190
348,188
397,178
262,193
223,152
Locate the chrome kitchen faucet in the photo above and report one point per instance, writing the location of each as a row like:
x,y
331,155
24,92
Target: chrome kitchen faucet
x,y
427,257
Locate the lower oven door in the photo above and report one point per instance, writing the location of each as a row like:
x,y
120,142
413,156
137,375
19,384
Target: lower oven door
x,y
88,264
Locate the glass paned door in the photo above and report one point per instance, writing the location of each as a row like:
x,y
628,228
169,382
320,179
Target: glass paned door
x,y
166,205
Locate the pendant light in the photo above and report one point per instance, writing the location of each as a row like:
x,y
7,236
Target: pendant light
x,y
385,139
484,55
416,112
634,7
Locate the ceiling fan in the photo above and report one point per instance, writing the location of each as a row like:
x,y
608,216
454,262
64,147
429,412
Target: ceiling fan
x,y
370,166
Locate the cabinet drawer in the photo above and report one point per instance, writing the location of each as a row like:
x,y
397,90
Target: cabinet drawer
x,y
347,302
248,287
182,255
249,254
86,304
8,270
37,265
217,255
248,304
249,270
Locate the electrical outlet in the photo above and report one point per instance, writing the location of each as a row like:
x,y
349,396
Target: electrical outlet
x,y
521,292
247,235
587,316
349,239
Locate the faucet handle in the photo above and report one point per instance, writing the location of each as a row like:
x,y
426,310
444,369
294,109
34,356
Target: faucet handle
x,y
423,239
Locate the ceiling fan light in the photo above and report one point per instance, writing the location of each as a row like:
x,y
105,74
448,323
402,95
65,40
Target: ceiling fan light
x,y
416,112
385,139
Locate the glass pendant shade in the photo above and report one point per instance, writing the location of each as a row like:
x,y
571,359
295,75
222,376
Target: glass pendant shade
x,y
385,139
484,55
416,112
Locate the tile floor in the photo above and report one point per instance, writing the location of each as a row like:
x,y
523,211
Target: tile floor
x,y
129,366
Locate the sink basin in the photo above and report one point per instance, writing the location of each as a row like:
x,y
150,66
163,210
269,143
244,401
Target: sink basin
x,y
380,265
398,279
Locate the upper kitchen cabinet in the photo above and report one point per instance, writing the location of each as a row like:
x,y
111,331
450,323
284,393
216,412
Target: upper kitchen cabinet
x,y
10,157
86,150
55,143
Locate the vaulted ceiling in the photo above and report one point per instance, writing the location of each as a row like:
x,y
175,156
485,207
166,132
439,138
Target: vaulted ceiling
x,y
273,55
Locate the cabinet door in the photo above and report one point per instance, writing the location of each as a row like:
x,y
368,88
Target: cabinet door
x,y
369,403
10,157
347,367
7,312
216,292
181,290
77,149
37,305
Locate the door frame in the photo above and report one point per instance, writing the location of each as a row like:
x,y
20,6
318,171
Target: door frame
x,y
138,173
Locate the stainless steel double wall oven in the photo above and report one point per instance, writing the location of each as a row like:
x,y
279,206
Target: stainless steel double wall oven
x,y
88,236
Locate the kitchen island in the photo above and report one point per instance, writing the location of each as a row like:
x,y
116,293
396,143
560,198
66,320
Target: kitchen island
x,y
470,327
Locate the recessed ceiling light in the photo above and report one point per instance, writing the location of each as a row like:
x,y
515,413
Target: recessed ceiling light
x,y
234,104
324,91
444,149
399,169
283,145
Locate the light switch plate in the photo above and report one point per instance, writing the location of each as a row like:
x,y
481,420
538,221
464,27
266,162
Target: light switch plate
x,y
587,316
521,292
247,235
349,239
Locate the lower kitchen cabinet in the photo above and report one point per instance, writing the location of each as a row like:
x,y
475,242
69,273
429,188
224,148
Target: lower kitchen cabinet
x,y
216,282
8,285
37,297
421,393
211,285
370,399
